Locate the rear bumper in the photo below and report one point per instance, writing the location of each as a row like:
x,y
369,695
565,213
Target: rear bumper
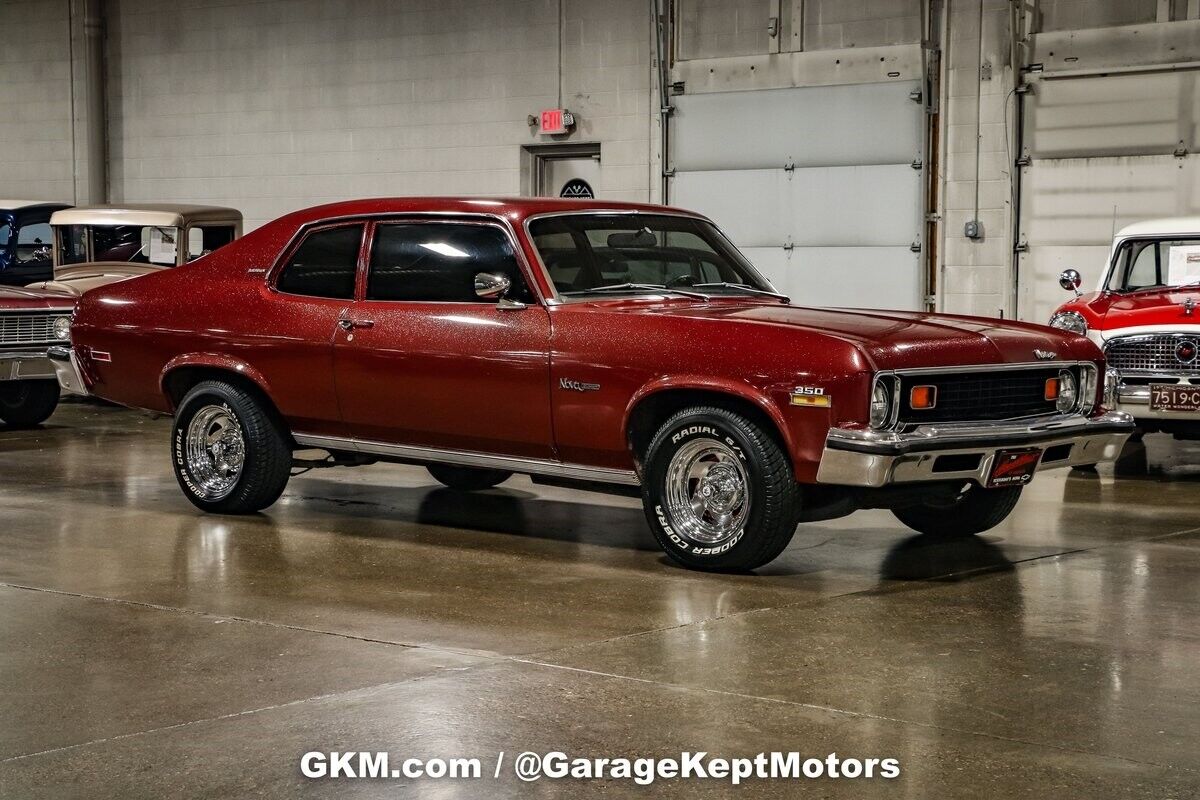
x,y
963,451
20,365
65,366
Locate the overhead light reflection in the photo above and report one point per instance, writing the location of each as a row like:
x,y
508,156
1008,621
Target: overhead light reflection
x,y
444,249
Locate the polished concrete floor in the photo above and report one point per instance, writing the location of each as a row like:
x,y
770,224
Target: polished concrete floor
x,y
147,650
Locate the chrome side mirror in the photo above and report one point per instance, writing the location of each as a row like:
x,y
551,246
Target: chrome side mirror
x,y
494,286
1070,280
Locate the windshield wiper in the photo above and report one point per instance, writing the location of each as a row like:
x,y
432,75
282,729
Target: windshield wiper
x,y
743,287
639,287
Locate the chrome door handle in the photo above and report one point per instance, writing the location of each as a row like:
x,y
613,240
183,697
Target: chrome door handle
x,y
351,324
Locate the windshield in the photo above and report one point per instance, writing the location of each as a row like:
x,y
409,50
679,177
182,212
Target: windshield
x,y
637,253
1156,264
134,243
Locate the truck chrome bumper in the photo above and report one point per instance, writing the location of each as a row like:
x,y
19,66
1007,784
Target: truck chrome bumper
x,y
65,367
965,451
21,365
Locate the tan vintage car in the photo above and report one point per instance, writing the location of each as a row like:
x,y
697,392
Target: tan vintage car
x,y
93,246
97,245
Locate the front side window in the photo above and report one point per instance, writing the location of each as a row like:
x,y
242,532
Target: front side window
x,y
438,262
586,253
35,243
203,239
1156,264
324,265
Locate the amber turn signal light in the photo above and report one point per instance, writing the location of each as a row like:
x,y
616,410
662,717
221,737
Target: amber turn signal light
x,y
1052,388
922,398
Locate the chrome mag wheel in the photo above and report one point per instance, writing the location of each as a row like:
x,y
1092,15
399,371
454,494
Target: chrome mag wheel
x,y
215,450
707,491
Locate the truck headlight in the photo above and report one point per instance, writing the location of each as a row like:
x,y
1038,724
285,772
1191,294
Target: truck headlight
x,y
62,328
881,404
1071,321
1068,393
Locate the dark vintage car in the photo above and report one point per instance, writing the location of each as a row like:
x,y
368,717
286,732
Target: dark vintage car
x,y
602,345
26,241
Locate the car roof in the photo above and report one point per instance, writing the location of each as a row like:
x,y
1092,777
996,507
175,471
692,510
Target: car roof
x,y
515,209
24,205
167,215
1158,227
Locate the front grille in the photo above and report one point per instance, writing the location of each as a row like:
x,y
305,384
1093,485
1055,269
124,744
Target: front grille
x,y
1153,353
26,328
982,396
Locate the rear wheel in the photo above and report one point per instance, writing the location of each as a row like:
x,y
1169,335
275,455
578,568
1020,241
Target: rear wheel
x,y
974,510
467,479
719,492
229,453
24,404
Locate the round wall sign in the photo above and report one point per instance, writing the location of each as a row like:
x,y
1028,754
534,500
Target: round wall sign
x,y
577,188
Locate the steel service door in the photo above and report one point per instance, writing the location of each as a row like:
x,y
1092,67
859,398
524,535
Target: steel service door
x,y
817,186
1101,152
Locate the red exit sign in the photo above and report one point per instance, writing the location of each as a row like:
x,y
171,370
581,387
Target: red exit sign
x,y
555,120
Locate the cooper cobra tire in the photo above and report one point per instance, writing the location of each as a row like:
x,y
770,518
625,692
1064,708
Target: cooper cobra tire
x,y
467,479
229,454
24,404
974,511
719,492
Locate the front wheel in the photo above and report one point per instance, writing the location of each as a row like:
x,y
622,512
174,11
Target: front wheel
x,y
24,404
719,492
974,510
230,455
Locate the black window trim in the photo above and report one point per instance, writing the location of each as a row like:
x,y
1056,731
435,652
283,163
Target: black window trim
x,y
271,275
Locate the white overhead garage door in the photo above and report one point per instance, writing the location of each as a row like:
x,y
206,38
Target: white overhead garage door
x,y
815,185
1101,155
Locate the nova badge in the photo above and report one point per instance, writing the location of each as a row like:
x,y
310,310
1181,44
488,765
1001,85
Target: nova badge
x,y
1045,355
577,386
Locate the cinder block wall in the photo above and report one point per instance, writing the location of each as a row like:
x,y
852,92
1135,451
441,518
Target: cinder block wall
x,y
271,106
35,100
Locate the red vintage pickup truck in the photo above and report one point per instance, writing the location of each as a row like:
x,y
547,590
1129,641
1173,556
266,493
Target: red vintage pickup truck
x,y
588,343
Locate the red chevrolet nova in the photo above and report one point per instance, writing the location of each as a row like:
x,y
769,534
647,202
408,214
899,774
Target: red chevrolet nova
x,y
596,344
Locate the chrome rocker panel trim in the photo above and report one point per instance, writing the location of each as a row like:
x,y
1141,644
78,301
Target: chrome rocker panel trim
x,y
855,457
65,367
465,458
20,365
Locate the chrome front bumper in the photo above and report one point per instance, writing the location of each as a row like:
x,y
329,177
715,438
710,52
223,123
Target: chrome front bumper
x,y
65,367
1135,401
965,451
21,365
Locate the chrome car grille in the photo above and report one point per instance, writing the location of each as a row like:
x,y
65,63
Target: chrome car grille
x,y
1153,353
983,396
29,328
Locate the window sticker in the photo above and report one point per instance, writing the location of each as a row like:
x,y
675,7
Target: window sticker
x,y
162,246
1183,266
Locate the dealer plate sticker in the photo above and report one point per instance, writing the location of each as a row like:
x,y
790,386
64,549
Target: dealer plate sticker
x,y
1014,467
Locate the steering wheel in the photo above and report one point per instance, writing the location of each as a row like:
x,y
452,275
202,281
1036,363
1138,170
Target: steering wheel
x,y
682,280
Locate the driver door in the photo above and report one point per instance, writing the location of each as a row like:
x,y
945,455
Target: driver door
x,y
422,361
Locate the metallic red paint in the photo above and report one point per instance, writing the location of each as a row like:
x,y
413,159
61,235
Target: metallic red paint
x,y
472,376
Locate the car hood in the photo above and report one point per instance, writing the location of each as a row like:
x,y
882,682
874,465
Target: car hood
x,y
905,340
13,298
78,278
1166,307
